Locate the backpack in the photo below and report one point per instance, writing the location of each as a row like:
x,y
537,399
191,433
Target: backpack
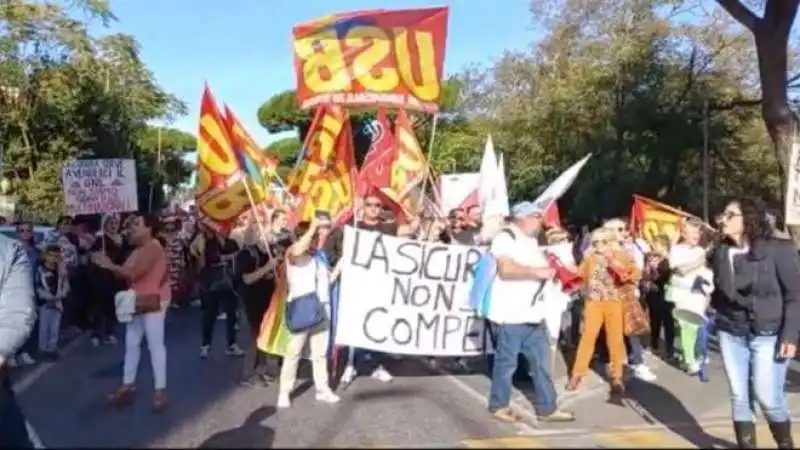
x,y
483,277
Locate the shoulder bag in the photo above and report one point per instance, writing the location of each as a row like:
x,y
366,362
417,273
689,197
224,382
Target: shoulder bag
x,y
306,311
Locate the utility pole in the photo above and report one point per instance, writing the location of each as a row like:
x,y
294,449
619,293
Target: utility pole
x,y
706,165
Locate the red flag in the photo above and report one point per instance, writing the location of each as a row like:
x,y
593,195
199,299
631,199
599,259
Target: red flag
x,y
552,217
376,171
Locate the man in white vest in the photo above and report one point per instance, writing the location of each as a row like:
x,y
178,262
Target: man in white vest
x,y
522,270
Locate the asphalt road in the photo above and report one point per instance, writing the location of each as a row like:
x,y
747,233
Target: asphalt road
x,y
425,406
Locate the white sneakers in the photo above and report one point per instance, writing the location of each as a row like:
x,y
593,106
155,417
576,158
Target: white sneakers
x,y
234,350
382,374
348,375
324,396
23,359
643,373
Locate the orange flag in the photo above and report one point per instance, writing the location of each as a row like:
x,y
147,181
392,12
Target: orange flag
x,y
221,193
244,142
650,218
408,169
323,178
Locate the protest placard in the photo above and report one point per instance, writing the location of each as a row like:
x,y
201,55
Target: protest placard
x,y
403,296
93,186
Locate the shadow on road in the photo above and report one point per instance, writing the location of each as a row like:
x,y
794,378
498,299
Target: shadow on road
x,y
251,434
656,405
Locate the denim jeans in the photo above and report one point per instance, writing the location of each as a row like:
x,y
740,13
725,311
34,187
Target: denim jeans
x,y
633,344
365,361
746,357
13,430
533,342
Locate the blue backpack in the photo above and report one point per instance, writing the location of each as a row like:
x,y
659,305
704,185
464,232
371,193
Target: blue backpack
x,y
485,271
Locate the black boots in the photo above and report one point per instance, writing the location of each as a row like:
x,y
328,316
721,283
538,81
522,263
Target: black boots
x,y
745,434
782,433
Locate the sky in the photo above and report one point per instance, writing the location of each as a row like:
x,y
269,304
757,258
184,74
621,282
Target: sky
x,y
242,48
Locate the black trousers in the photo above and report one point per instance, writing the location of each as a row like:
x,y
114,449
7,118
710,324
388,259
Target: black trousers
x,y
212,302
255,361
102,312
661,317
13,430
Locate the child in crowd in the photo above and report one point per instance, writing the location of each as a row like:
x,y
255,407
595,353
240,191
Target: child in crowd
x,y
51,288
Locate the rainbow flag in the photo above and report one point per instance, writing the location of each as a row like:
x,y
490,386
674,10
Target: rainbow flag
x,y
274,336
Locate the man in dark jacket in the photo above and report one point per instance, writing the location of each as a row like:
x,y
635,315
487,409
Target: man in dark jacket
x,y
17,317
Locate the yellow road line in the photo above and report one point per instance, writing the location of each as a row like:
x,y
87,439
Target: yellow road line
x,y
650,438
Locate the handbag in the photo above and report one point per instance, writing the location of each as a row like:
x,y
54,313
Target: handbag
x,y
306,311
636,319
148,303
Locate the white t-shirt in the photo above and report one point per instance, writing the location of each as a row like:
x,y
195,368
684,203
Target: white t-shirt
x,y
303,275
512,300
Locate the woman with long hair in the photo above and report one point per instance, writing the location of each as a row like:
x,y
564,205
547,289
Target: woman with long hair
x,y
104,283
608,271
145,270
757,303
216,255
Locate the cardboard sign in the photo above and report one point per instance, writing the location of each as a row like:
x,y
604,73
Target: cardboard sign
x,y
96,186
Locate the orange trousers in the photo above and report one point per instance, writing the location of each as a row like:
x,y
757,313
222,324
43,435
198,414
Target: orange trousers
x,y
598,314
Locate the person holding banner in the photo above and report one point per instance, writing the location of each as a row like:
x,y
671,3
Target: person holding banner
x,y
307,278
256,265
757,304
104,283
517,319
373,205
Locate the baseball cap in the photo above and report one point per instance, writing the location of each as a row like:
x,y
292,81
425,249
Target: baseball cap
x,y
525,209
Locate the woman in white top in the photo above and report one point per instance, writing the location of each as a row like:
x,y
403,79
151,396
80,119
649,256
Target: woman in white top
x,y
687,260
304,273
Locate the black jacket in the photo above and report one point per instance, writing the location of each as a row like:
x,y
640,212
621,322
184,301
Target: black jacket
x,y
760,294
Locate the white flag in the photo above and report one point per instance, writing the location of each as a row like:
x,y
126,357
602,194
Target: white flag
x,y
561,184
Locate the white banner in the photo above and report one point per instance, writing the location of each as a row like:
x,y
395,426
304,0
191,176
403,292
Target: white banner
x,y
407,297
93,186
792,198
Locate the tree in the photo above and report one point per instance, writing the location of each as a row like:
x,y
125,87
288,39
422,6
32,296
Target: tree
x,y
626,81
771,32
280,113
65,94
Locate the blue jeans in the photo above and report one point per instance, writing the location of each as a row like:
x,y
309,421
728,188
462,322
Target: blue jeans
x,y
365,360
635,350
746,357
13,430
533,342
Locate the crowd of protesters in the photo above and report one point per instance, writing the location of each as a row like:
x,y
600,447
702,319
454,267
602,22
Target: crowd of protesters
x,y
623,309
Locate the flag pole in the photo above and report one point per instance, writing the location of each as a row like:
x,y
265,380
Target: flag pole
x,y
428,162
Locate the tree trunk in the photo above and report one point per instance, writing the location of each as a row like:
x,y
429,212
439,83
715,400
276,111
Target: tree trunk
x,y
772,47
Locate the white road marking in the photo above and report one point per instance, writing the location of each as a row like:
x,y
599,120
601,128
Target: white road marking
x,y
27,381
34,437
22,384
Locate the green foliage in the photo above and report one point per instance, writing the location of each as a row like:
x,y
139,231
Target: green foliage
x,y
65,94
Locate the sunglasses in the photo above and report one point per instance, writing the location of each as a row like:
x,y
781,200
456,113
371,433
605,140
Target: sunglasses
x,y
728,215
